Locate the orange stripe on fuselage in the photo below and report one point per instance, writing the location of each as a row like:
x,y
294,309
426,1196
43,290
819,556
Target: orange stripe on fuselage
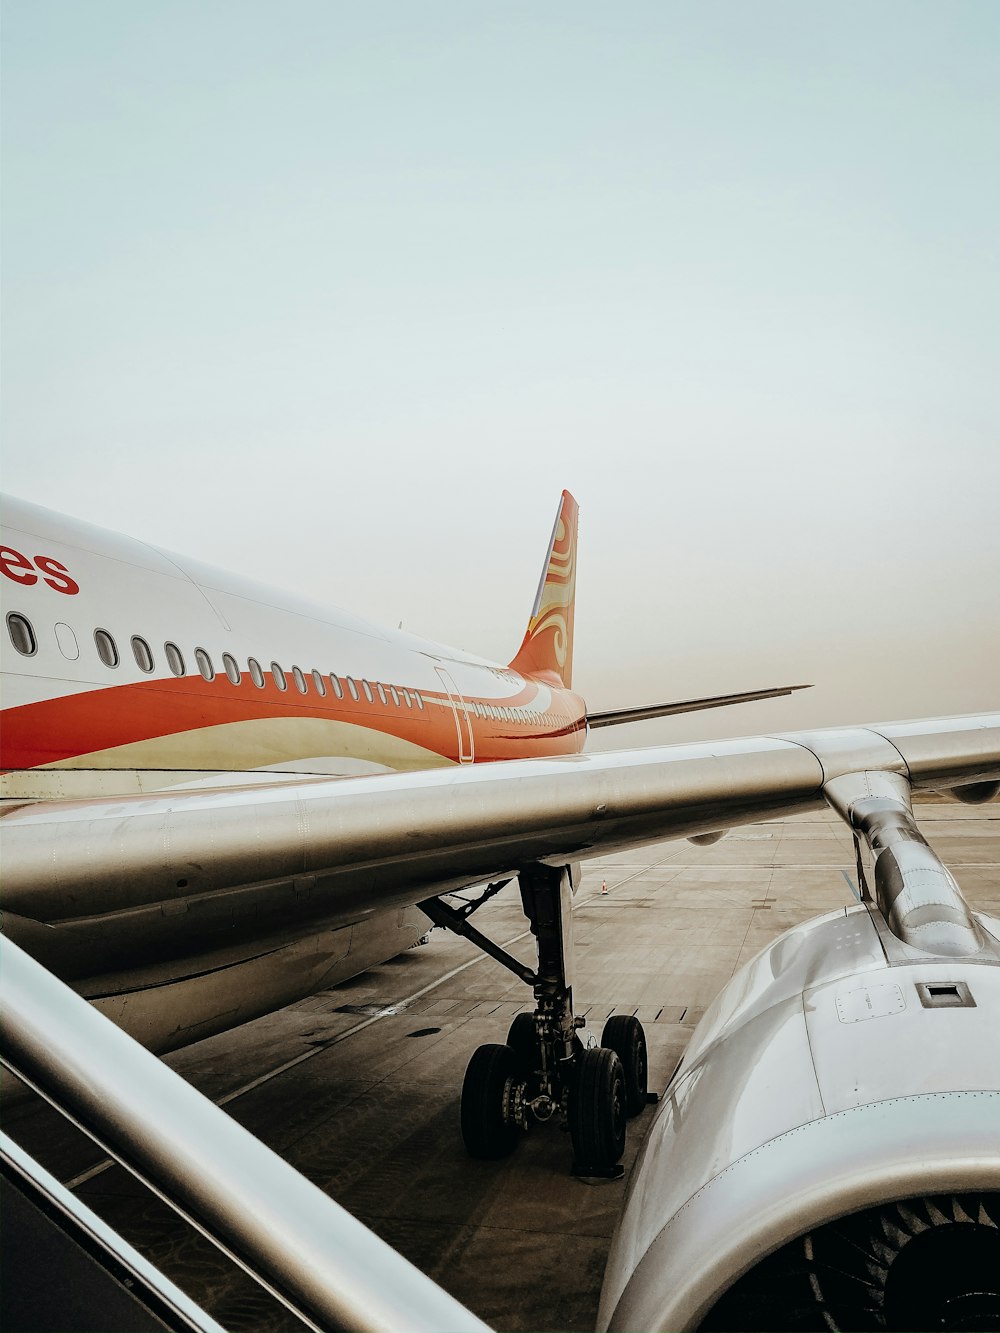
x,y
52,731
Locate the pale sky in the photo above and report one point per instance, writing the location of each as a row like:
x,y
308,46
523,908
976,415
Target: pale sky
x,y
341,295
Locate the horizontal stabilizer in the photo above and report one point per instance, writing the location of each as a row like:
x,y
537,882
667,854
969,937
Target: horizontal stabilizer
x,y
613,717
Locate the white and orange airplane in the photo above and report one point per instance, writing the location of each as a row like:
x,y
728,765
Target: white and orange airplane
x,y
137,669
218,799
131,671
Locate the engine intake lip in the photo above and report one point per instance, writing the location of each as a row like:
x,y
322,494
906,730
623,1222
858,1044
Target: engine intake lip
x,y
919,1263
927,1144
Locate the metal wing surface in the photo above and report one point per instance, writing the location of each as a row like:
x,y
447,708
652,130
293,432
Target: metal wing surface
x,y
338,851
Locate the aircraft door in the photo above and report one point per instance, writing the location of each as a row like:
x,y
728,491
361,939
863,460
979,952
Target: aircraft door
x,y
463,723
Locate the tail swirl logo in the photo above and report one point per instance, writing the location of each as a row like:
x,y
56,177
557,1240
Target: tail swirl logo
x,y
555,607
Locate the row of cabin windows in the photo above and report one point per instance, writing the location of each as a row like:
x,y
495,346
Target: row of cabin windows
x,y
500,713
22,636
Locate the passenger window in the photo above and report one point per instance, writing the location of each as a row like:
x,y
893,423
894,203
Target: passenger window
x,y
338,689
279,676
66,640
22,636
419,698
232,670
352,688
256,675
368,691
107,650
393,695
406,698
300,680
175,659
140,651
319,682
381,692
204,663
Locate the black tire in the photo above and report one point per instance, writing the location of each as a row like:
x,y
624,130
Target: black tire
x,y
597,1110
624,1035
487,1128
523,1041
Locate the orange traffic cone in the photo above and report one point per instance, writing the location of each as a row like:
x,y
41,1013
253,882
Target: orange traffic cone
x,y
604,886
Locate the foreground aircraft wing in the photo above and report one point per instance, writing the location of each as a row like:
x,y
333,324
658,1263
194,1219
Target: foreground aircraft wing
x,y
741,1161
90,884
613,717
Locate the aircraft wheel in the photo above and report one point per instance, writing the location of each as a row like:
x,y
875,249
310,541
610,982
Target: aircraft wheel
x,y
597,1109
523,1041
624,1034
488,1126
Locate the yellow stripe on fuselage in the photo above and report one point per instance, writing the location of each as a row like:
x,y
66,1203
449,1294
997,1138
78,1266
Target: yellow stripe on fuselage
x,y
260,743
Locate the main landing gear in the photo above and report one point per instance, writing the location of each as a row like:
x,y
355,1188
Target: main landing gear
x,y
543,1070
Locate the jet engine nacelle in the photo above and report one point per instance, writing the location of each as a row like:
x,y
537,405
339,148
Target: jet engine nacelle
x,y
976,793
828,1153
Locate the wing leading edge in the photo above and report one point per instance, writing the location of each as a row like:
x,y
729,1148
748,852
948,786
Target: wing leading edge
x,y
170,870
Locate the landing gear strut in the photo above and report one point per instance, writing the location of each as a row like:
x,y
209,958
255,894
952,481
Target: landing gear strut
x,y
543,1071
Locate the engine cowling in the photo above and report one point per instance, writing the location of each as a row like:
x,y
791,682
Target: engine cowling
x,y
843,1088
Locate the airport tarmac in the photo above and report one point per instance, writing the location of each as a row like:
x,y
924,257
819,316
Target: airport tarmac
x,y
358,1087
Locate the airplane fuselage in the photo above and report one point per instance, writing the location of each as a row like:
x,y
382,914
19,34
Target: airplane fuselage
x,y
139,669
130,671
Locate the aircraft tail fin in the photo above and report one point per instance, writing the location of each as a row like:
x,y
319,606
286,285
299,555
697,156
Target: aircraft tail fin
x,y
547,649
